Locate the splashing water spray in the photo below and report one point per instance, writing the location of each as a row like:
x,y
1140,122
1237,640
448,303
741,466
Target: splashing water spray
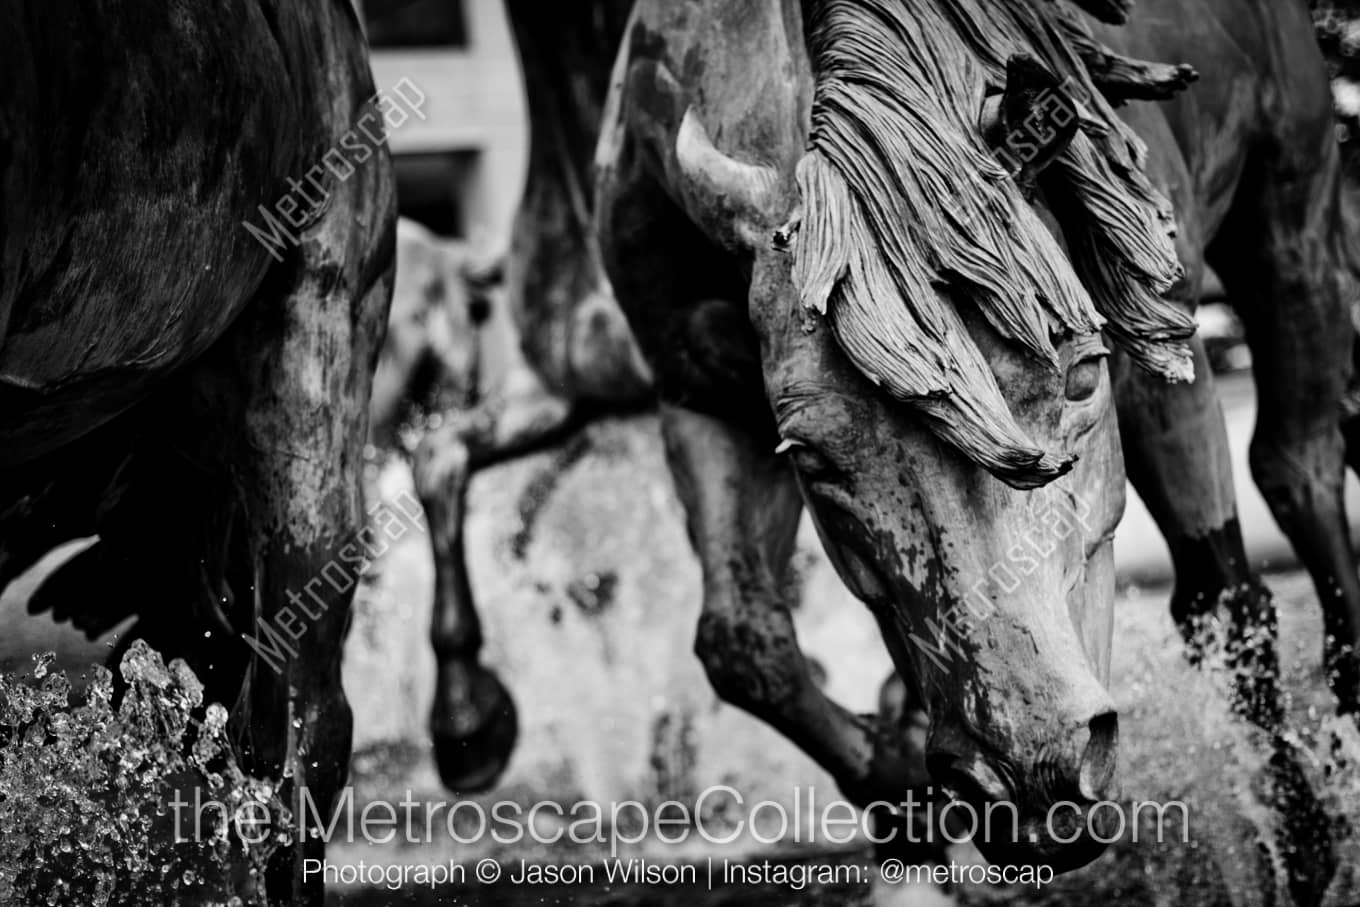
x,y
88,793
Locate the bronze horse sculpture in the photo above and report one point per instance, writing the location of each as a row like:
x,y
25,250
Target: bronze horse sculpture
x,y
783,381
908,353
574,358
189,392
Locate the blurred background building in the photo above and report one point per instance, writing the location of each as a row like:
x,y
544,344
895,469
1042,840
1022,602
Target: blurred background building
x,y
460,169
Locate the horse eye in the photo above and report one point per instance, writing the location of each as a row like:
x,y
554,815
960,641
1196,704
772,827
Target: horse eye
x,y
812,464
1083,379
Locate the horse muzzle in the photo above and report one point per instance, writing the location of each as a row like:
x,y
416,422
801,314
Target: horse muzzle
x,y
1055,812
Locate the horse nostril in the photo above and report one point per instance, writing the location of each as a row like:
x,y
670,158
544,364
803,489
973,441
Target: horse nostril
x,y
970,778
1100,760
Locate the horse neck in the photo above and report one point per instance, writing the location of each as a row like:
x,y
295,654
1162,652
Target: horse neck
x,y
566,53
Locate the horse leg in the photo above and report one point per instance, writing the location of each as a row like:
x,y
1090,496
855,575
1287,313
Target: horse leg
x,y
1175,448
742,505
549,390
297,367
1280,259
473,720
1175,445
1281,264
304,434
1176,455
1350,409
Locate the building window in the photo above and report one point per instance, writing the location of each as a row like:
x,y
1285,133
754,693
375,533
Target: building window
x,y
433,189
416,23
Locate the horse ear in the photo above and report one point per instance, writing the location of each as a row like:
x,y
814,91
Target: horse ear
x,y
1032,120
731,198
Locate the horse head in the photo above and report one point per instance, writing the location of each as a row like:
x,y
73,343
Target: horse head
x,y
932,281
443,294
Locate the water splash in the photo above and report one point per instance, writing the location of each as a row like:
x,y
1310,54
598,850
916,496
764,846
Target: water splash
x,y
86,792
1271,814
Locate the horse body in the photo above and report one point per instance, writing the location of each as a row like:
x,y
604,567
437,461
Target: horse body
x,y
1250,159
117,163
708,119
1251,162
169,381
573,335
571,357
715,109
1269,95
698,197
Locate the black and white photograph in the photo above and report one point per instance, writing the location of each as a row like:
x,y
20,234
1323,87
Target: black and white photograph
x,y
679,453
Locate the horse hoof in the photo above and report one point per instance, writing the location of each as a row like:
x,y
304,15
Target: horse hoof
x,y
474,725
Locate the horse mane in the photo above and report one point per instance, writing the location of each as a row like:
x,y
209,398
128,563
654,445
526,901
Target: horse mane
x,y
906,209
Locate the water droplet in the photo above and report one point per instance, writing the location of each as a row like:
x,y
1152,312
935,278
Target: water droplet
x,y
113,768
42,661
215,718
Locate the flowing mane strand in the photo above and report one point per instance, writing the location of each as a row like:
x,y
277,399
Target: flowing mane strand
x,y
906,207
